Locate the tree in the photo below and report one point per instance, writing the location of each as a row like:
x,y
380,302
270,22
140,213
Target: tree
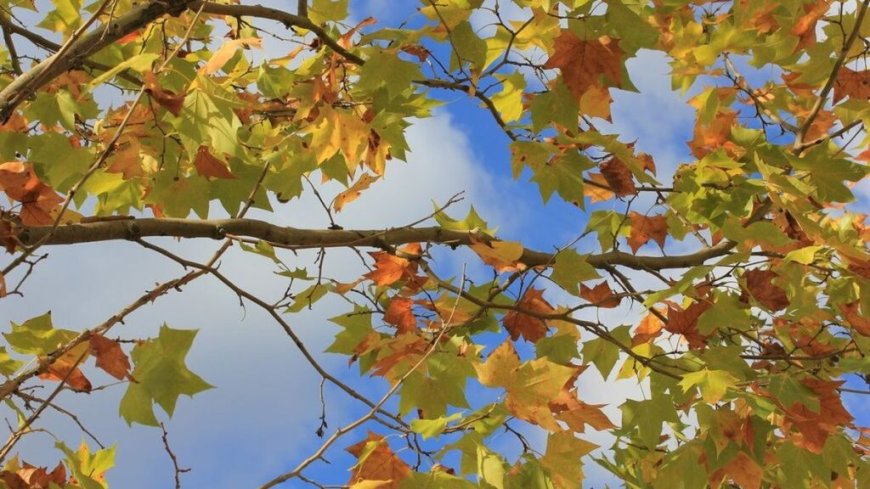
x,y
133,121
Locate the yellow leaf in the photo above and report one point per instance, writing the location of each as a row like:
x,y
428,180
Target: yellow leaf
x,y
226,51
353,192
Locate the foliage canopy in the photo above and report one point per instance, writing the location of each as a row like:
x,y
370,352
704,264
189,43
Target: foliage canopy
x,y
133,120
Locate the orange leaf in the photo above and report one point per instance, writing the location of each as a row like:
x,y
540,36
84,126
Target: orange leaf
x,y
355,190
601,295
759,283
20,183
389,268
742,470
209,166
346,38
618,177
378,463
644,228
110,356
649,328
584,63
577,414
66,367
226,51
504,256
598,191
399,314
712,136
529,327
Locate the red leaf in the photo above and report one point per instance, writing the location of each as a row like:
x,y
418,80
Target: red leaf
x,y
110,356
759,283
601,295
531,328
618,177
209,166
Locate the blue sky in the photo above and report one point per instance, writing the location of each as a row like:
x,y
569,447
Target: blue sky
x,y
261,418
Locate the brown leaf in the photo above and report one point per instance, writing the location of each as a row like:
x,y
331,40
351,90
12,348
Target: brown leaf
x,y
742,470
577,414
853,315
601,295
584,64
209,166
816,426
529,327
685,322
618,177
110,356
400,315
852,84
66,367
416,50
354,191
126,161
167,99
644,228
377,462
759,284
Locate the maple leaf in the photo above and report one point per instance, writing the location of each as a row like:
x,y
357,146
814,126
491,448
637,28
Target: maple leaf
x,y
65,368
852,84
126,160
390,268
644,228
601,295
759,284
20,183
712,136
597,188
529,327
685,322
649,328
815,426
585,64
353,192
209,166
110,356
805,26
167,99
742,469
577,414
853,315
618,177
377,462
399,314
504,256
223,54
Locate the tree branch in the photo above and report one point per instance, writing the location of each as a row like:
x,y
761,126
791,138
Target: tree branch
x,y
288,237
288,19
28,83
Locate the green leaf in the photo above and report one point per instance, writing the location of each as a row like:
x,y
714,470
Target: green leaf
x,y
88,469
308,297
161,376
569,269
712,383
509,101
37,336
431,428
472,222
402,73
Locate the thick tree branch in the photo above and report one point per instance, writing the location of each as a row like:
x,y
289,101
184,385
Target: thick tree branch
x,y
27,84
315,238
